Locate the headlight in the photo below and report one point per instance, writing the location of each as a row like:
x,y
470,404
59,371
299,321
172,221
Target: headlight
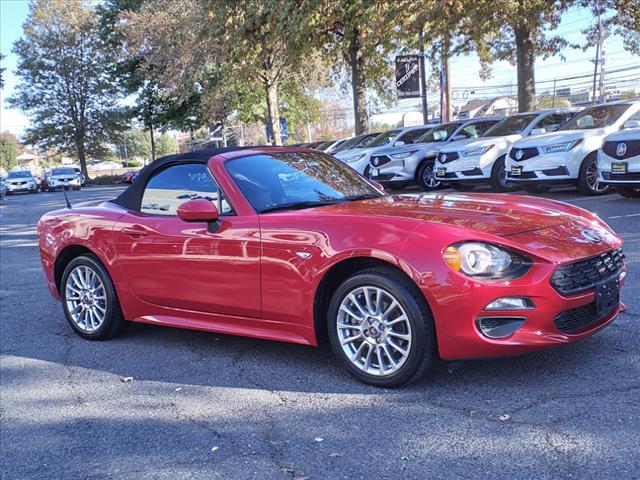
x,y
401,155
484,260
476,152
354,158
561,147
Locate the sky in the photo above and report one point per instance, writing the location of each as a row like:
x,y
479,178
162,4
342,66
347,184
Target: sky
x,y
464,69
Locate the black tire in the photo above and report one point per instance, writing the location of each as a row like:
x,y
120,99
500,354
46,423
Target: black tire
x,y
422,352
425,176
536,189
586,184
461,187
628,191
114,323
499,182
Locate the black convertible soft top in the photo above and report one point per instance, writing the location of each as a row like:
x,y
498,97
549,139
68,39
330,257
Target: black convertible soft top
x,y
132,196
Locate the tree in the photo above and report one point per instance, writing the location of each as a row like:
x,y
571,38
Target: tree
x,y
65,80
514,30
624,21
2,69
360,33
9,150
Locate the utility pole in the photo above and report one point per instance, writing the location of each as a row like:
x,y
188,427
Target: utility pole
x,y
423,80
553,99
599,59
603,97
126,156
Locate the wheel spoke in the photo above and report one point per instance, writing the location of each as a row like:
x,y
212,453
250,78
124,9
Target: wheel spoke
x,y
380,363
350,313
346,340
403,336
355,301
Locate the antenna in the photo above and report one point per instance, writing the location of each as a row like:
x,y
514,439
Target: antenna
x,y
66,199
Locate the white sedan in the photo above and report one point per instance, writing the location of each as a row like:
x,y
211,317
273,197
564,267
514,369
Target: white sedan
x,y
619,160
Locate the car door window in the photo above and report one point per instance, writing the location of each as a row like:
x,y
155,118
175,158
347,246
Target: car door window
x,y
552,122
173,186
412,136
476,129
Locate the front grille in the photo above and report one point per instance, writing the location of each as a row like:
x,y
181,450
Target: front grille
x,y
582,276
448,157
471,173
380,160
527,153
447,175
621,176
633,148
580,318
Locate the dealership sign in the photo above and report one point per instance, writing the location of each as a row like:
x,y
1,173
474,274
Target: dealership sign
x,y
408,76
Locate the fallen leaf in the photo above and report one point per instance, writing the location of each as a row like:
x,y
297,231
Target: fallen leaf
x,y
301,477
178,389
504,417
318,439
404,458
335,454
287,469
213,449
126,379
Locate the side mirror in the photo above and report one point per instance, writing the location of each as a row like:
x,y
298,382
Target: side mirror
x,y
538,131
198,210
398,143
631,124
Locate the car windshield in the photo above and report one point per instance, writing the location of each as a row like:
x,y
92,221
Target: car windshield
x,y
325,145
293,180
511,125
384,138
595,117
63,171
439,133
21,174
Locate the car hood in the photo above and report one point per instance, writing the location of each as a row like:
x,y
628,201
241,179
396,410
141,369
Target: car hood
x,y
412,147
470,143
354,152
559,137
496,214
19,180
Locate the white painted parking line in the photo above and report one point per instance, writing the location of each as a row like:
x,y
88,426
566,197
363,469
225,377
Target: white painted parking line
x,y
626,216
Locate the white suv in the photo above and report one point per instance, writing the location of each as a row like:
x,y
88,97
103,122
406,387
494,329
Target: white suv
x,y
619,160
482,161
358,158
568,156
397,167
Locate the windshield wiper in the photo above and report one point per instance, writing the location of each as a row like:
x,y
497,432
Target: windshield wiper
x,y
364,196
298,205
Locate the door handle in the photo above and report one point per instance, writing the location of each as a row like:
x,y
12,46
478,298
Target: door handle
x,y
135,231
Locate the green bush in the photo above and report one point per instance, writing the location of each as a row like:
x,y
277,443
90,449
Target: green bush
x,y
106,180
132,163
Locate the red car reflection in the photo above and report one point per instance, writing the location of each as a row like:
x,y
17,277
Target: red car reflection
x,y
292,245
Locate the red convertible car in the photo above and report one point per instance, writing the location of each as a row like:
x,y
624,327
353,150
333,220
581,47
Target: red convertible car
x,y
290,244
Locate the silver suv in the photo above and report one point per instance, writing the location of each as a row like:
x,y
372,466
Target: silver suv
x,y
397,167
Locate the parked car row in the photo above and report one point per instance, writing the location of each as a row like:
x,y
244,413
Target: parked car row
x,y
24,181
532,151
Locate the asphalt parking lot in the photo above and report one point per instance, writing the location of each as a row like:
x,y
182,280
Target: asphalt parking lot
x,y
162,403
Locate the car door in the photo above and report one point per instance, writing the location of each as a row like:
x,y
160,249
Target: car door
x,y
171,263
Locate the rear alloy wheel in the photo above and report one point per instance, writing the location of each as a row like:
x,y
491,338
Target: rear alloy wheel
x,y
426,177
499,181
381,329
89,299
588,183
628,191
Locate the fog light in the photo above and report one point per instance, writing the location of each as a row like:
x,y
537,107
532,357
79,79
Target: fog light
x,y
511,303
499,327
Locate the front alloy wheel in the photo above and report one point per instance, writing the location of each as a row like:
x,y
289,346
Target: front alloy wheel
x,y
427,180
588,183
374,330
380,328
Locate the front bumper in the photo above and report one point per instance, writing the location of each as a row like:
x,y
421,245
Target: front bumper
x,y
628,175
20,188
460,338
555,168
468,170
